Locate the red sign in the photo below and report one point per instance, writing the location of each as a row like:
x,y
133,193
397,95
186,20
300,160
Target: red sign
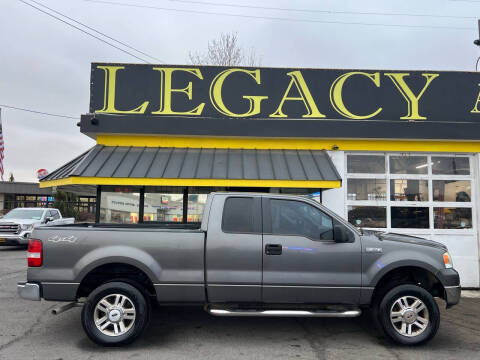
x,y
41,173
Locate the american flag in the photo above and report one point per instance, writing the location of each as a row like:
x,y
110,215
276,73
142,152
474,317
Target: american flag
x,y
2,148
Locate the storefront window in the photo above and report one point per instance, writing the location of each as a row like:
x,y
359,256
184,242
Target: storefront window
x,y
9,202
120,206
367,189
368,216
408,165
163,207
410,217
443,165
196,206
408,190
197,198
453,218
452,190
366,164
431,180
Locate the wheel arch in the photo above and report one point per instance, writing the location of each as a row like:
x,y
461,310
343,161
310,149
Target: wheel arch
x,y
114,271
413,273
112,262
117,254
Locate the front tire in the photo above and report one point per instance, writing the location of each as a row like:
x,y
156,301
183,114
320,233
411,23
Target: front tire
x,y
409,315
115,314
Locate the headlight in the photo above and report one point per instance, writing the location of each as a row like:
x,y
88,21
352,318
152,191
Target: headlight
x,y
447,260
27,226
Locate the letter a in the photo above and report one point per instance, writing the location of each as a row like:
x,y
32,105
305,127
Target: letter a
x,y
475,109
305,96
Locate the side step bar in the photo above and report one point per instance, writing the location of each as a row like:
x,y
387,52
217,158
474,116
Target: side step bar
x,y
286,313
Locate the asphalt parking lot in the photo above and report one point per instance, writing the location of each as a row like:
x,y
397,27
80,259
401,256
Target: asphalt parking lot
x,y
28,331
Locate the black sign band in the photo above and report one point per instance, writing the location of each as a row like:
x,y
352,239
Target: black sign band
x,y
210,93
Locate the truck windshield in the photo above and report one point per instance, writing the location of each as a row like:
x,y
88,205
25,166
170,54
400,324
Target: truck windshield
x,y
24,214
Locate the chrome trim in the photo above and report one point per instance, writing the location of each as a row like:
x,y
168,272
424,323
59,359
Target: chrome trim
x,y
28,291
286,313
60,283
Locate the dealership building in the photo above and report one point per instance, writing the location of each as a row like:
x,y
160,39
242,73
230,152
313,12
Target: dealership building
x,y
394,151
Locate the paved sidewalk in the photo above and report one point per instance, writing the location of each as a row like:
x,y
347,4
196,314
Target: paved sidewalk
x,y
472,294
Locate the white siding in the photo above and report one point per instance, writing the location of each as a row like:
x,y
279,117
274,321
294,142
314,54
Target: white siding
x,y
334,199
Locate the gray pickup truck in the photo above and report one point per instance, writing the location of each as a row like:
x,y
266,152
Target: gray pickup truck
x,y
252,255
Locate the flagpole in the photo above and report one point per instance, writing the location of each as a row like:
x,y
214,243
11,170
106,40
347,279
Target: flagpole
x,y
2,147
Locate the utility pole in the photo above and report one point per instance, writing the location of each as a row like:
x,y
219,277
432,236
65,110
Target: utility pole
x,y
477,42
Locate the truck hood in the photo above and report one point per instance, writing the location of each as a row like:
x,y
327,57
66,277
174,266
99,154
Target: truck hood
x,y
414,240
20,221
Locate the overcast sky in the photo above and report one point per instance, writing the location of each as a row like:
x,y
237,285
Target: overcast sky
x,y
45,65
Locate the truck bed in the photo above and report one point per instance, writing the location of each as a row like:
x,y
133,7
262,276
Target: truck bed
x,y
171,255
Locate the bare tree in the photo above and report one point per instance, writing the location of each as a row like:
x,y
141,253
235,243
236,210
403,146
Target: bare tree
x,y
225,51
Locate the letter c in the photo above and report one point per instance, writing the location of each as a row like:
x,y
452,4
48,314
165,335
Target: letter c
x,y
336,97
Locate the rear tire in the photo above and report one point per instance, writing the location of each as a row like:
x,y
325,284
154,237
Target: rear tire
x,y
115,313
409,315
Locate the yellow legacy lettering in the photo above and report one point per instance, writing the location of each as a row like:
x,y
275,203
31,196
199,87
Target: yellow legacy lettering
x,y
336,97
475,109
166,92
216,93
305,96
412,100
109,93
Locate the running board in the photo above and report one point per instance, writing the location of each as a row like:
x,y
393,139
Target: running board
x,y
286,313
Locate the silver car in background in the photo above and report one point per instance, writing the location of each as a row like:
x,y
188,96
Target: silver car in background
x,y
17,225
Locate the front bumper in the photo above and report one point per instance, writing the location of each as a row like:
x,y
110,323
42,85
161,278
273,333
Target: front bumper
x,y
28,291
9,239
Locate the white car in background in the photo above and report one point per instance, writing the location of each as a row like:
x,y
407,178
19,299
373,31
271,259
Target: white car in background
x,y
17,225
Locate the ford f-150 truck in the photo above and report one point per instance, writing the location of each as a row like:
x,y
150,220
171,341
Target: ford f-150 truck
x,y
252,255
17,225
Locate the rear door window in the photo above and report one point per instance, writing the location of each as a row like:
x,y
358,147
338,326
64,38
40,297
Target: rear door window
x,y
238,215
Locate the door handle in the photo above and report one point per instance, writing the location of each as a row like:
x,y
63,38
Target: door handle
x,y
273,249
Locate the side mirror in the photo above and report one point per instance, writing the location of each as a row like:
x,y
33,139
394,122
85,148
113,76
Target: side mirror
x,y
340,234
48,219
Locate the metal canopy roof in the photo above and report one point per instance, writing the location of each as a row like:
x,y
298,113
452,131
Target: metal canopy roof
x,y
123,162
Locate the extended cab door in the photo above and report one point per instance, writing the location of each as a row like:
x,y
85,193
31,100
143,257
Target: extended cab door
x,y
301,261
234,249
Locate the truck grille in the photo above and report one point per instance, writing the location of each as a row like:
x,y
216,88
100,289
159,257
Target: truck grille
x,y
9,228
